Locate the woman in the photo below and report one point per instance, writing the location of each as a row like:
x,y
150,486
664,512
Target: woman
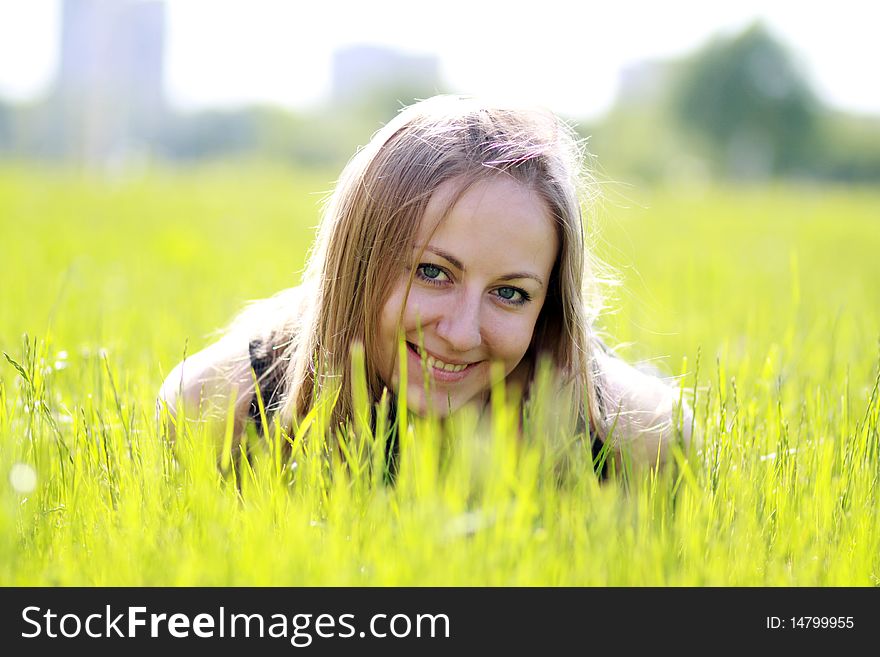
x,y
457,233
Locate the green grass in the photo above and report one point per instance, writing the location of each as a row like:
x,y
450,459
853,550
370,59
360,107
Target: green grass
x,y
773,290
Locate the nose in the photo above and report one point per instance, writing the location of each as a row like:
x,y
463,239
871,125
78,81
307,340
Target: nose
x,y
459,322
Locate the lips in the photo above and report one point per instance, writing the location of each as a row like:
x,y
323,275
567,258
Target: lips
x,y
437,365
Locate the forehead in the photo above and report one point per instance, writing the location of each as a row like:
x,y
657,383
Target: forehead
x,y
496,223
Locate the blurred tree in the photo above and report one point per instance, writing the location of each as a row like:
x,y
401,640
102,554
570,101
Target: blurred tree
x,y
850,147
382,101
209,134
747,98
5,128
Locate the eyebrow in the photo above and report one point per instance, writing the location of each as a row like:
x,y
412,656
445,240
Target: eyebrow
x,y
455,262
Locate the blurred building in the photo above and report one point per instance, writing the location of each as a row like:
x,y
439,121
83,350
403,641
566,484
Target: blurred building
x,y
109,94
364,71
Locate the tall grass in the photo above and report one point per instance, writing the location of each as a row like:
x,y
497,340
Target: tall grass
x,y
762,303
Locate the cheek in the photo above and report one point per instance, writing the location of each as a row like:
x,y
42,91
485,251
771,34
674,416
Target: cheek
x,y
386,335
511,337
418,307
389,317
422,308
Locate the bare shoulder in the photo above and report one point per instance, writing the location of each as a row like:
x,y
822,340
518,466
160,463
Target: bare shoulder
x,y
203,383
642,414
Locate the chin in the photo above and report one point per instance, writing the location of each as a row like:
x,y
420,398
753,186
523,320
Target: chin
x,y
438,404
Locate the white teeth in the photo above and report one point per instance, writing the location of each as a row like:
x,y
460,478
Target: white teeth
x,y
440,365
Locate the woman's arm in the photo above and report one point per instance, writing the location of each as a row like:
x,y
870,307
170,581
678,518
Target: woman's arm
x,y
642,414
203,385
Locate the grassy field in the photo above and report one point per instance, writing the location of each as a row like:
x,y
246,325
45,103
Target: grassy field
x,y
763,300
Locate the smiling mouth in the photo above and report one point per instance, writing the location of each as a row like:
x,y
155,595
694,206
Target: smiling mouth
x,y
436,363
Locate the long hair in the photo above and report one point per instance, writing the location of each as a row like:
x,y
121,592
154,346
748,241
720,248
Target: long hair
x,y
370,222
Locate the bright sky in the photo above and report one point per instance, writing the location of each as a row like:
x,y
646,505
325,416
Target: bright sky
x,y
564,54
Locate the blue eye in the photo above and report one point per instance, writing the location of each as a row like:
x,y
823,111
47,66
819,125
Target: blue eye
x,y
430,271
512,295
431,274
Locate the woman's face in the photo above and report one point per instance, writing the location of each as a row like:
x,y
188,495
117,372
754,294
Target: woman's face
x,y
478,289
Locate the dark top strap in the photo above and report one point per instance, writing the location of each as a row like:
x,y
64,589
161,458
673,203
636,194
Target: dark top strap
x,y
600,459
270,374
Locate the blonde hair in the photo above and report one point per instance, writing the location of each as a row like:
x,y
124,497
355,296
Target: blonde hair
x,y
370,223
